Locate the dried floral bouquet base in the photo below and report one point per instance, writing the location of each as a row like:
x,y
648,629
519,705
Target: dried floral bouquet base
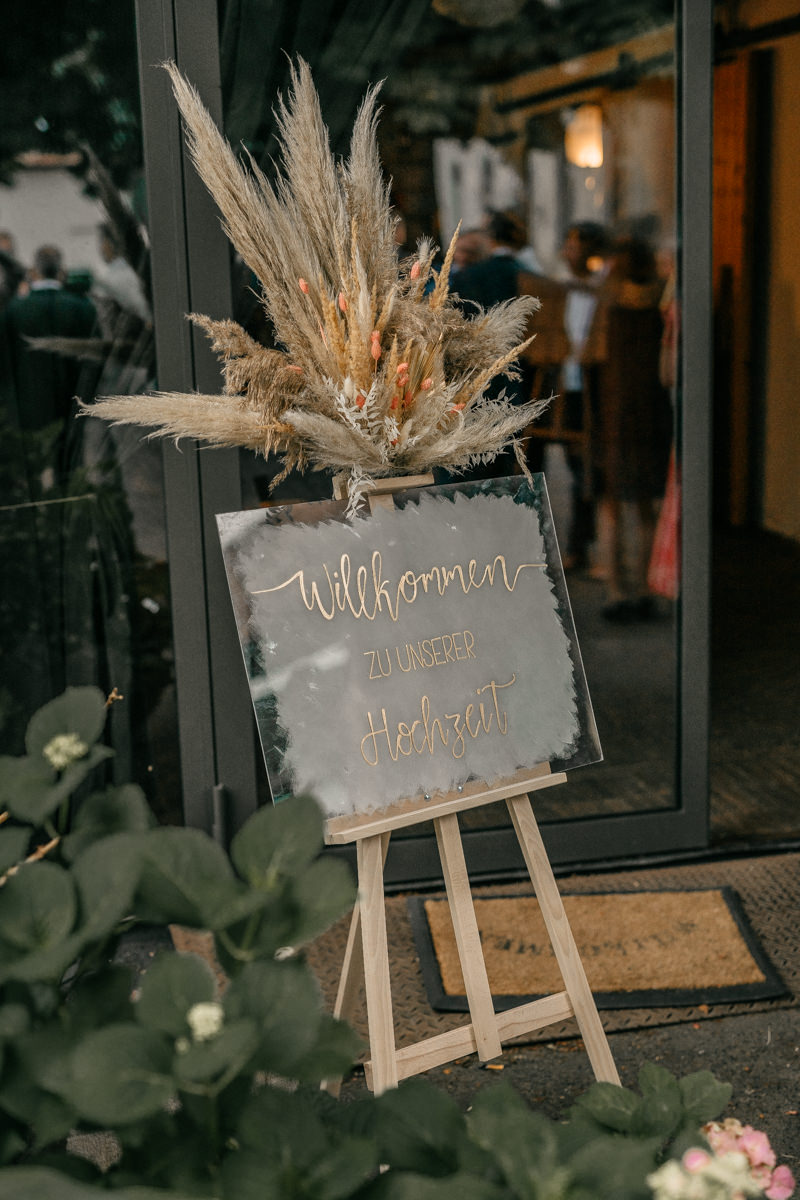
x,y
381,373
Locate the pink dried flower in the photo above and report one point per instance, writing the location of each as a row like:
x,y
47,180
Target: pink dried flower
x,y
782,1184
401,367
342,302
426,385
732,1136
695,1160
756,1146
375,346
762,1176
415,270
304,288
361,400
723,1139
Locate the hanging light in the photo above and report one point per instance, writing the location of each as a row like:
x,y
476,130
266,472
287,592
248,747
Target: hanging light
x,y
583,136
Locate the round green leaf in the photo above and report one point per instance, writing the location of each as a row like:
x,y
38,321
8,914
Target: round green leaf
x,y
228,1052
284,1001
99,998
44,1183
704,1097
14,841
38,907
14,1020
278,841
170,987
22,782
322,892
181,867
38,790
106,875
80,710
116,810
121,1074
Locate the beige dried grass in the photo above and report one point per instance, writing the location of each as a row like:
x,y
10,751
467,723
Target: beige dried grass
x,y
380,373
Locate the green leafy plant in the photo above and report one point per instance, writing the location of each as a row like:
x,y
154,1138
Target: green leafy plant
x,y
215,1091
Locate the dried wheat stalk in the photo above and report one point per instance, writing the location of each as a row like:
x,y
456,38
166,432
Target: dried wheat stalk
x,y
380,373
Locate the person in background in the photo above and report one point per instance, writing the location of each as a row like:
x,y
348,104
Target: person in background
x,y
473,246
117,287
38,387
12,273
633,434
583,251
44,383
524,252
497,277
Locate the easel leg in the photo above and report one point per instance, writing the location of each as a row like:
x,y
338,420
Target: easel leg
x,y
465,926
564,948
352,976
376,963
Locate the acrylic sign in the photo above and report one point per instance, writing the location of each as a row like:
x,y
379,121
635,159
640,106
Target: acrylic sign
x,y
408,651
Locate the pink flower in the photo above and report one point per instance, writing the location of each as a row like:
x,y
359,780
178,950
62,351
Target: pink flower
x,y
723,1140
375,344
762,1176
415,270
303,286
342,302
695,1160
782,1185
756,1146
426,385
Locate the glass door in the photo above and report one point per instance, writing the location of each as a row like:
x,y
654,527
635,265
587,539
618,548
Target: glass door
x,y
614,134
85,585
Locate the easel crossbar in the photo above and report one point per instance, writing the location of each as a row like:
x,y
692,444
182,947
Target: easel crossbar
x,y
445,1047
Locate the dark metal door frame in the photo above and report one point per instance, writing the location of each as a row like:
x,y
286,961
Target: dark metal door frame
x,y
191,273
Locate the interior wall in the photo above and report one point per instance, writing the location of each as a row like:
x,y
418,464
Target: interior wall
x,y
781,505
781,495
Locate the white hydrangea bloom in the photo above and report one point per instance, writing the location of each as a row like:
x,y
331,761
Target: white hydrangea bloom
x,y
63,749
699,1176
205,1020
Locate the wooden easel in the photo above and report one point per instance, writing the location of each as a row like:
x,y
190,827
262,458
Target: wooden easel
x,y
367,957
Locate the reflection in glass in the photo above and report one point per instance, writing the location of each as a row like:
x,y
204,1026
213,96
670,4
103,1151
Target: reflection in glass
x,y
85,595
480,120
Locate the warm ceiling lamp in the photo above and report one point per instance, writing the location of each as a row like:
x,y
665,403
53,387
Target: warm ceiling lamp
x,y
583,136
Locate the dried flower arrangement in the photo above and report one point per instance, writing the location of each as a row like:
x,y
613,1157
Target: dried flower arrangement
x,y
381,373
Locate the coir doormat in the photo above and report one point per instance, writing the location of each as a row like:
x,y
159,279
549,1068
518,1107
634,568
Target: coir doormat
x,y
641,949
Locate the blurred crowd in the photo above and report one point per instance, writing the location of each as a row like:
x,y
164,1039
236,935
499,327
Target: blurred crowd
x,y
604,352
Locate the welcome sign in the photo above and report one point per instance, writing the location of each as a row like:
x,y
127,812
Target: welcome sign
x,y
409,651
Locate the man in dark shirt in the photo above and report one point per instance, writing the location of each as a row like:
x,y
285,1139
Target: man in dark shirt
x,y
494,279
39,386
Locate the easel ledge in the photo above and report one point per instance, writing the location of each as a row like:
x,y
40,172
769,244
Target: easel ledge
x,y
339,830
